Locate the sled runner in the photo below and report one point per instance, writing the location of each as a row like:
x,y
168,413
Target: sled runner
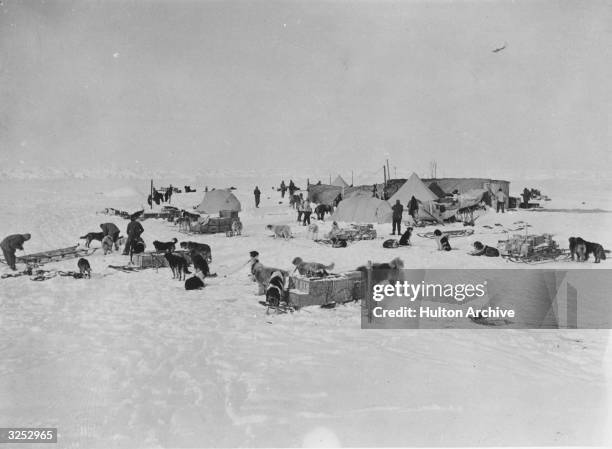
x,y
54,255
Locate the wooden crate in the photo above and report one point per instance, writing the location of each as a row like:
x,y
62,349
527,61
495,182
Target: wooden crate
x,y
150,259
318,291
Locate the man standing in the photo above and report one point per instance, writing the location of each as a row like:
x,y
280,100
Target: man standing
x,y
413,208
398,210
283,188
501,200
134,230
11,244
257,194
307,211
110,229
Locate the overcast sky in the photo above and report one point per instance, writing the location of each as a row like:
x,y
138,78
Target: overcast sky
x,y
301,84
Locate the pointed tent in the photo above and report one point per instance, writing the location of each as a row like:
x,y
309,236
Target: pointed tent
x,y
413,187
218,200
339,182
363,209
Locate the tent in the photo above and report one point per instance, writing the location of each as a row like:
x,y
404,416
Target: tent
x,y
363,209
413,187
339,182
218,200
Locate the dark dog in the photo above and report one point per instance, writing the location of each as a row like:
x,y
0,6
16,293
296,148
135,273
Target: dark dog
x,y
584,249
339,243
572,246
275,293
200,264
92,236
391,243
84,268
381,272
194,283
405,238
165,246
200,248
178,265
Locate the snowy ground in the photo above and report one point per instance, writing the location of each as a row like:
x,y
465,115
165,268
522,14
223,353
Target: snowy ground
x,y
134,360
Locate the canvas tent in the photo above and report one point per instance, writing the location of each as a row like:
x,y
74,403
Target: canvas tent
x,y
363,209
218,200
339,182
413,187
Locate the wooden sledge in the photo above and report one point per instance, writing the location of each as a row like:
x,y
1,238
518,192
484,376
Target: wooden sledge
x,y
55,255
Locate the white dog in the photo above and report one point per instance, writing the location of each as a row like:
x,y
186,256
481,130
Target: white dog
x,y
282,231
313,230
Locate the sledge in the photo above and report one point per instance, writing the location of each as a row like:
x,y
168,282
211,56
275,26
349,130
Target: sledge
x,y
55,255
455,234
532,249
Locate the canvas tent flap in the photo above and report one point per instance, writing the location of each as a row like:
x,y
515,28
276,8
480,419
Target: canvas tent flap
x,y
217,200
413,187
363,209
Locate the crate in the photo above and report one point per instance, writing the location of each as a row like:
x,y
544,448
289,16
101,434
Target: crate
x,y
150,259
318,291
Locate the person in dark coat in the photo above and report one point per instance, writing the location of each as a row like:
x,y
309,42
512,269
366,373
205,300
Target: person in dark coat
x,y
398,210
257,194
374,191
169,192
283,188
11,244
292,187
110,229
134,230
337,200
413,207
526,197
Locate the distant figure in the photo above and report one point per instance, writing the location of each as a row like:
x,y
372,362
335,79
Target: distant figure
x,y
398,210
500,196
413,208
169,192
257,194
335,230
385,193
526,197
307,212
11,244
374,191
292,187
283,188
337,200
134,230
299,204
206,189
